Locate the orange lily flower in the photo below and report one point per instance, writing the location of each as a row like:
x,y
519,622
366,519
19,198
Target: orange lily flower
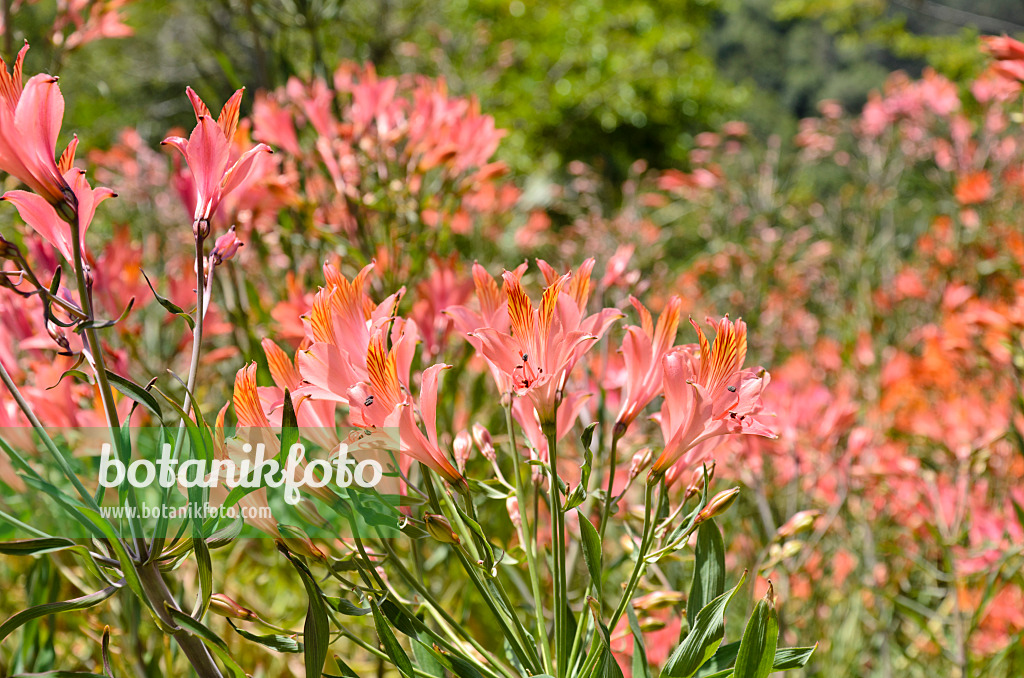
x,y
545,343
708,394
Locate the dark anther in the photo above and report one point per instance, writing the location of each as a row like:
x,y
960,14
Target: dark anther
x,y
732,389
368,401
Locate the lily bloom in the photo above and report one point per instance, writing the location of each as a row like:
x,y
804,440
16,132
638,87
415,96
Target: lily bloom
x,y
643,349
44,218
30,120
382,403
207,152
545,343
340,324
707,394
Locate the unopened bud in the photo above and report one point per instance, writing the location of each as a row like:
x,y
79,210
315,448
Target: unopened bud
x,y
298,541
483,441
226,607
512,506
718,505
57,334
640,461
696,485
309,513
801,521
650,624
462,446
440,529
225,247
658,600
201,228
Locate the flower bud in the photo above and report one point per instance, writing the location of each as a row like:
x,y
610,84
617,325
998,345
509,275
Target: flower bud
x,y
483,441
801,521
226,607
640,461
512,506
57,334
717,505
658,600
462,446
440,529
696,485
299,542
225,247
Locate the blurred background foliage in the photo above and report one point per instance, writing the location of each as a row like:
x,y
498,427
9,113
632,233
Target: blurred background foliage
x,y
603,81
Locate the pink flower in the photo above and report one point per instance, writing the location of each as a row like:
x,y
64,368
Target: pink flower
x,y
30,120
382,403
207,152
545,343
707,394
44,218
643,349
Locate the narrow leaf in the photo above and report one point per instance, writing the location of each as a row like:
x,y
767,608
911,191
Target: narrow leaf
x,y
760,640
709,571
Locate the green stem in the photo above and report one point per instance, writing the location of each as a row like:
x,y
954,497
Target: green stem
x,y
440,611
529,546
638,570
470,569
99,367
558,552
613,459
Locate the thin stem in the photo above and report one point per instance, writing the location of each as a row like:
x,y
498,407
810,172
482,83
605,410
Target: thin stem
x,y
613,460
45,437
528,545
439,610
558,552
95,355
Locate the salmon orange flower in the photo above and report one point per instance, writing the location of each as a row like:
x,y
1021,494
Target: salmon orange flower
x,y
643,349
382,403
44,218
707,394
30,120
545,343
207,152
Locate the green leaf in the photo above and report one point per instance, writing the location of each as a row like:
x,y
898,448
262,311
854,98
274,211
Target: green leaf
x,y
760,640
345,606
457,665
641,668
135,392
170,305
787,658
592,554
709,571
59,674
100,324
607,666
316,631
105,652
588,434
211,639
391,645
46,609
274,641
131,575
704,638
205,566
34,547
425,660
